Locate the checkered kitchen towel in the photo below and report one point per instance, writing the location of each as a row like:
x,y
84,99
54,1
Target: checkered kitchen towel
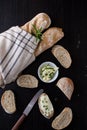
x,y
16,52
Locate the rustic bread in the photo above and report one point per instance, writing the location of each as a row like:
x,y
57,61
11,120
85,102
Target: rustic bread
x,y
45,106
27,81
41,20
62,56
66,85
8,101
49,38
63,119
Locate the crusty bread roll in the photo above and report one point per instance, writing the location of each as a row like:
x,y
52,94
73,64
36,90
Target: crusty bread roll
x,y
63,119
62,56
41,20
8,101
45,106
66,85
27,81
49,38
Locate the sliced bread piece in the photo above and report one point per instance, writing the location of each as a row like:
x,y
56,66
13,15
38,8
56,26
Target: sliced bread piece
x,y
66,85
63,119
27,81
8,101
62,56
45,106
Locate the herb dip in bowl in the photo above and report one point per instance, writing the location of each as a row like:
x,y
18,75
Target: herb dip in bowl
x,y
48,72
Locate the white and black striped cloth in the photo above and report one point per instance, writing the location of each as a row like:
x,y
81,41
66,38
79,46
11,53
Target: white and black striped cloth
x,y
16,52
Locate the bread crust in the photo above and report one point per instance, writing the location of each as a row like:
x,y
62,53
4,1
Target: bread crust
x,y
63,119
66,85
8,101
27,81
62,56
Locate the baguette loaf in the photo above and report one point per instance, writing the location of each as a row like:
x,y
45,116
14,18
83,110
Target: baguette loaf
x,y
62,56
66,85
63,119
49,38
41,20
27,81
45,106
8,102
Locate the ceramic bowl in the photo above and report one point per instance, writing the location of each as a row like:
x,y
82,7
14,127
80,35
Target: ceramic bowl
x,y
52,65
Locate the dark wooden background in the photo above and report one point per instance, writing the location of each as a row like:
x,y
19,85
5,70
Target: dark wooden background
x,y
72,17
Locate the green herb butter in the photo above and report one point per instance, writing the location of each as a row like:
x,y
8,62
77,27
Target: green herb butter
x,y
47,72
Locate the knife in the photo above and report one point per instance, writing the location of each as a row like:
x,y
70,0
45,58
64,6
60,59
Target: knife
x,y
27,109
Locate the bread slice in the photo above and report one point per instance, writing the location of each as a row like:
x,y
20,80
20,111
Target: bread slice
x,y
27,81
63,119
66,85
8,101
45,106
49,38
41,20
62,56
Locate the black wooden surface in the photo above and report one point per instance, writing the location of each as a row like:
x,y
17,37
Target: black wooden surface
x,y
71,16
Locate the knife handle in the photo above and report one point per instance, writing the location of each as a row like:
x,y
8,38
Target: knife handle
x,y
19,122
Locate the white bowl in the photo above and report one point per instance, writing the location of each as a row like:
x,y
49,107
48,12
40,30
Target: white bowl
x,y
52,65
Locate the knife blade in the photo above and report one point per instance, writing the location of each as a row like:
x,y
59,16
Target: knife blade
x,y
27,109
